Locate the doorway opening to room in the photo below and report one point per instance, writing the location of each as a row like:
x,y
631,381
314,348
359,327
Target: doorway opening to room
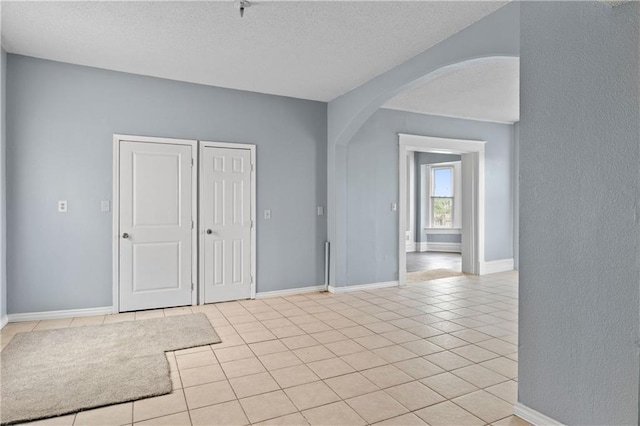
x,y
441,225
434,215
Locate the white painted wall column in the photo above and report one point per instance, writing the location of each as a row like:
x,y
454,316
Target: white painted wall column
x,y
411,202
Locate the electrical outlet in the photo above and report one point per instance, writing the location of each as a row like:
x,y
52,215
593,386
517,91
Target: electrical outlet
x,y
62,206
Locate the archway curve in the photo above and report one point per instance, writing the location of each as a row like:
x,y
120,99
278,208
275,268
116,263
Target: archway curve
x,y
365,113
360,119
495,36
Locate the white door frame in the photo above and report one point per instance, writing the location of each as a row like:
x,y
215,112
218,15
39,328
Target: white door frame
x,y
201,230
473,242
115,204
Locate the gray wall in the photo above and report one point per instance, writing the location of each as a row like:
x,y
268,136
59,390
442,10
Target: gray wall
x,y
494,35
372,185
516,195
579,227
59,146
431,158
3,187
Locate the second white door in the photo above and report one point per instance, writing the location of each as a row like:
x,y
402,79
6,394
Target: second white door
x,y
225,225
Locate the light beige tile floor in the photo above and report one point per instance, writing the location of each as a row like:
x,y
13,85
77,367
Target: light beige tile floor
x,y
440,353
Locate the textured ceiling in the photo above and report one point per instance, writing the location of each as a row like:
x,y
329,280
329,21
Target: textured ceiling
x,y
487,91
304,49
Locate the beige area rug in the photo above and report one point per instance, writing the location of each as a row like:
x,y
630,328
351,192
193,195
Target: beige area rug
x,y
433,274
54,372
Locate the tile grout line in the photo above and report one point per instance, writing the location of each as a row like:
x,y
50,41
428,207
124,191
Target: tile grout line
x,y
345,312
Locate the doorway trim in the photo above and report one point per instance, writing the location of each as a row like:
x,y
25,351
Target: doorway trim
x,y
472,218
200,227
115,209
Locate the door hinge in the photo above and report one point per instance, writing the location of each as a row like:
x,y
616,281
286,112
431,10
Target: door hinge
x,y
192,286
192,225
252,223
251,167
252,280
192,162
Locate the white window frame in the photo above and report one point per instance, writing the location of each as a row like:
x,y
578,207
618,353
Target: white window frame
x,y
456,176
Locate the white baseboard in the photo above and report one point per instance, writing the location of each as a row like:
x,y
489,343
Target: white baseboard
x,y
410,247
534,417
69,313
359,287
495,266
422,246
290,291
3,321
446,247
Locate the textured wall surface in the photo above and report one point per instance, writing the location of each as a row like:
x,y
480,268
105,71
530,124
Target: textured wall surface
x,y
3,186
372,185
516,195
59,146
579,226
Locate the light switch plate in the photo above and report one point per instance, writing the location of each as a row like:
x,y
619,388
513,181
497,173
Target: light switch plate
x,y
267,214
105,206
394,207
62,206
320,211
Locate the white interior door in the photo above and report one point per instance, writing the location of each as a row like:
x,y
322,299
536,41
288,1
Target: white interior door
x,y
226,223
155,225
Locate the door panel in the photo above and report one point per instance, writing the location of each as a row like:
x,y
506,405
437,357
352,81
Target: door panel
x,y
155,225
155,190
226,223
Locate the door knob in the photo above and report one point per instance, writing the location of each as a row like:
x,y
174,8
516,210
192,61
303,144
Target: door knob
x,y
125,235
209,231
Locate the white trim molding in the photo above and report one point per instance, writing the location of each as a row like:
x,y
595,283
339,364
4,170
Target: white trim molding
x,y
290,291
495,266
411,195
360,287
4,321
456,178
446,247
534,417
411,246
443,231
69,313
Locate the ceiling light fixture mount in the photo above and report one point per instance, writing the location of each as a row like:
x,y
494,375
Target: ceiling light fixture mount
x,y
242,5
